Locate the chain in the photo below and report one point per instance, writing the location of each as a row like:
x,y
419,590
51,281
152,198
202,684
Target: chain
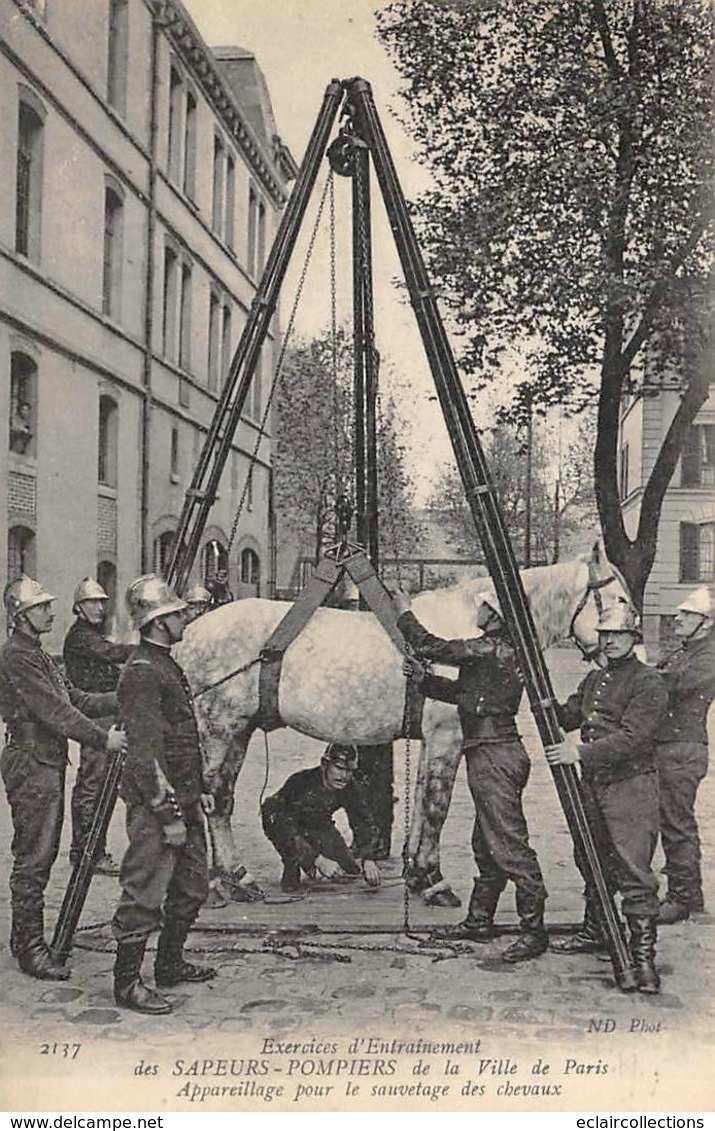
x,y
390,507
430,947
334,344
281,357
408,805
225,678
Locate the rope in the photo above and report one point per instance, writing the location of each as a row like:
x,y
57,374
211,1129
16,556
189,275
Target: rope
x,y
281,357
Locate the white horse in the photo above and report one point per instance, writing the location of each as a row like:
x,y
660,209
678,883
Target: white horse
x,y
342,681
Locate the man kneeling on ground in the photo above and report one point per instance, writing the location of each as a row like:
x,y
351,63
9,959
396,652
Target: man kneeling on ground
x,y
298,821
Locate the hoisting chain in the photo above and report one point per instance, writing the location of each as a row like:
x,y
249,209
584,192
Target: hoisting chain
x,y
279,364
334,348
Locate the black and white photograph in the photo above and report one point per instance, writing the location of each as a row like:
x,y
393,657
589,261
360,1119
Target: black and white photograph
x,y
358,475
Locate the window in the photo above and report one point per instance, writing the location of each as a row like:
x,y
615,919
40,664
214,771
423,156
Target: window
x,y
257,389
623,485
171,268
174,458
20,552
213,364
698,460
28,178
185,318
261,238
190,146
163,549
108,447
112,261
229,219
249,489
697,551
217,206
215,559
225,343
107,578
118,41
176,95
250,568
252,230
23,402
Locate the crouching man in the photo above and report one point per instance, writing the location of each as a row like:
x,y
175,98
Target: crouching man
x,y
164,874
619,709
298,821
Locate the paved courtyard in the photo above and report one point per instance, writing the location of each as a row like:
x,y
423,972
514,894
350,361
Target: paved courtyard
x,y
336,966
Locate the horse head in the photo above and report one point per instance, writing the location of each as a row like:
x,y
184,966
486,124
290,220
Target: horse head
x,y
605,587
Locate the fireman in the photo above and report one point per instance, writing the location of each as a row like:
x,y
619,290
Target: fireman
x,y
164,874
41,712
198,601
92,663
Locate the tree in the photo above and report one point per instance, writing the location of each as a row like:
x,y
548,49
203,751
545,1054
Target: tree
x,y
313,452
561,493
570,143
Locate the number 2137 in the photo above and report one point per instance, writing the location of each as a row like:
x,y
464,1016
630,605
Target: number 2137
x,y
68,1052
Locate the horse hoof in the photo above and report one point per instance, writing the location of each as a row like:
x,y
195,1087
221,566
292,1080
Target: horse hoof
x,y
216,898
445,897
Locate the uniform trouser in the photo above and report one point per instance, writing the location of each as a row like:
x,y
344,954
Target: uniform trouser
x,y
36,794
623,817
681,768
85,794
160,884
377,776
299,845
497,773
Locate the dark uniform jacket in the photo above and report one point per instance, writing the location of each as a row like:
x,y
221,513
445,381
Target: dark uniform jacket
x,y
158,715
41,709
306,802
689,675
619,710
91,661
489,686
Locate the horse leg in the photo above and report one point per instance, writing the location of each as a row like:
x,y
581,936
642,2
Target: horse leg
x,y
439,761
229,878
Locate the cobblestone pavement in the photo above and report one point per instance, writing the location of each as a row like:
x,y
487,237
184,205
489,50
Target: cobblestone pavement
x,y
338,960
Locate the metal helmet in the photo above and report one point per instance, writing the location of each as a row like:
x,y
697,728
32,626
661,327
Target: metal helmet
x,y
24,593
88,590
197,595
700,600
341,754
150,597
620,617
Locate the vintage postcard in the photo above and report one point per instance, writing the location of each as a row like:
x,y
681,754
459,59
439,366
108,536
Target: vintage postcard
x,y
151,148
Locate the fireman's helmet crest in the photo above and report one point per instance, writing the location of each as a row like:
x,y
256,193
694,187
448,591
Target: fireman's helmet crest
x,y
150,597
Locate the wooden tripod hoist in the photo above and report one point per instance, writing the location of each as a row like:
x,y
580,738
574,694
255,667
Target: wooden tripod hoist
x,y
361,140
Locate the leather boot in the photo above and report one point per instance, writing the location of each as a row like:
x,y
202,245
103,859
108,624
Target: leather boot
x,y
643,937
33,955
129,990
533,939
588,940
479,924
672,911
170,967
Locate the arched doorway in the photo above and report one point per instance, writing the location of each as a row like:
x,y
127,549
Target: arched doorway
x,y
250,573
